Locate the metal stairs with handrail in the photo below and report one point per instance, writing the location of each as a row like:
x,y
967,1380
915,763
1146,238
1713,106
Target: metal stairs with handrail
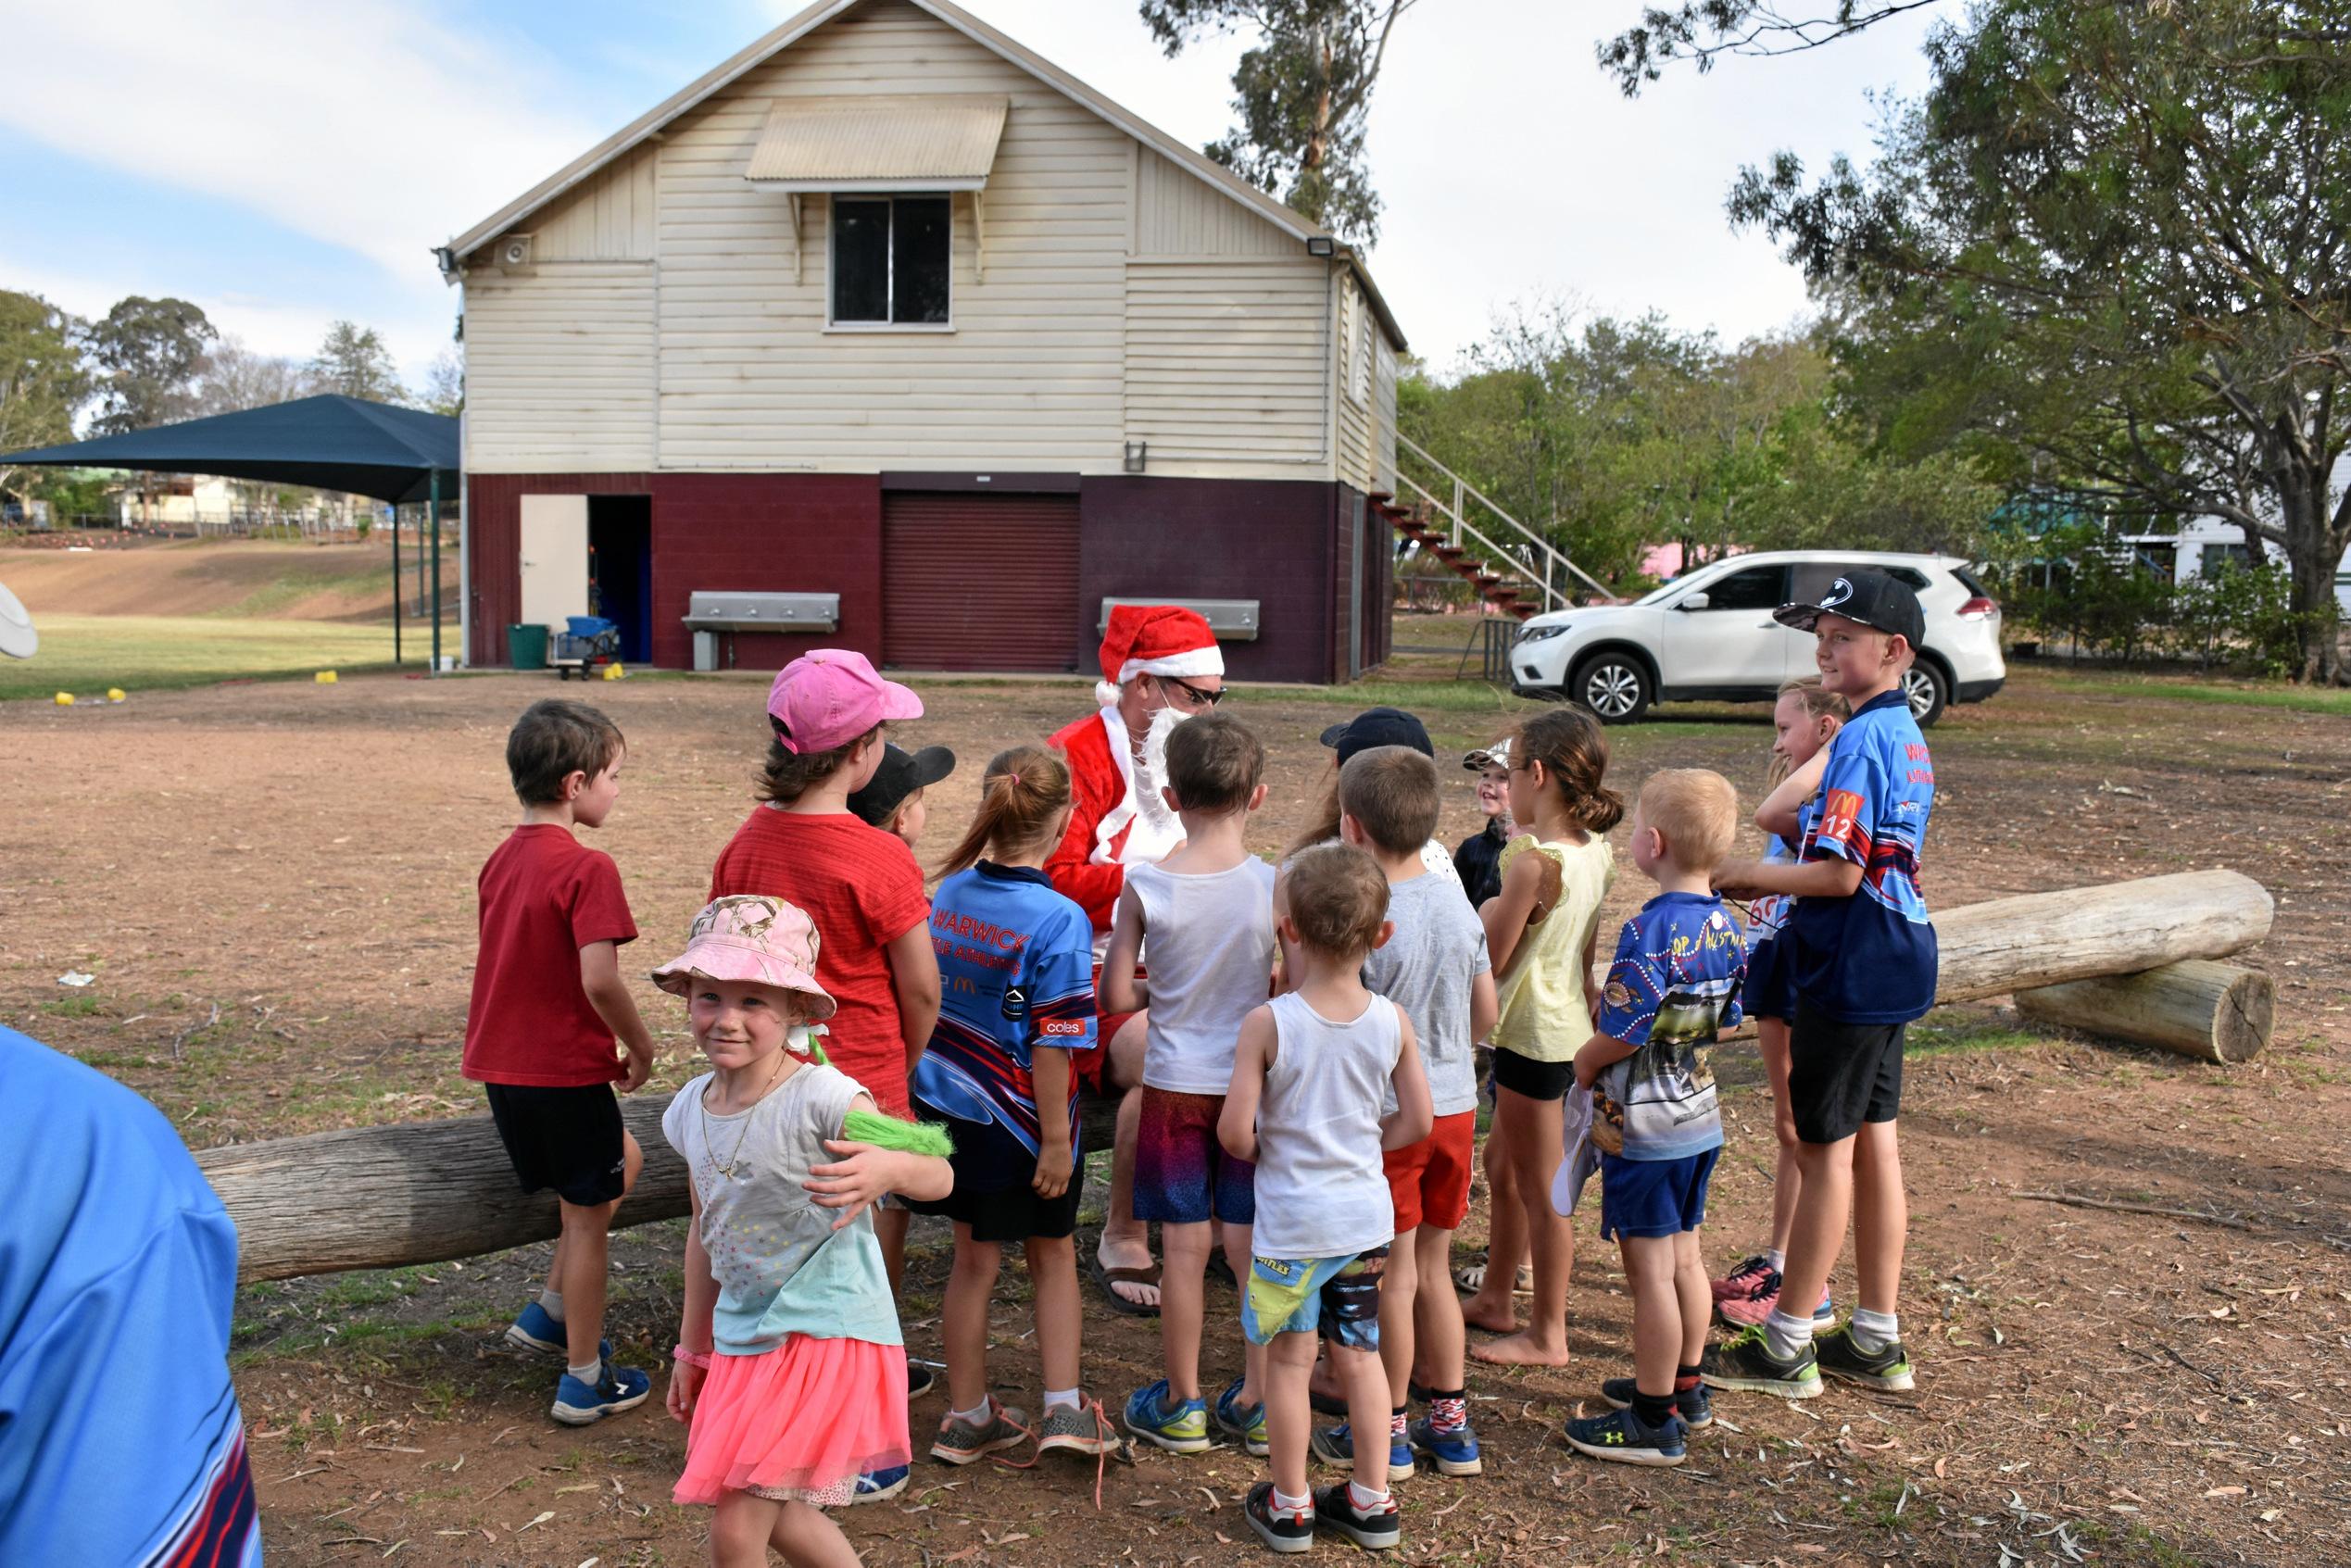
x,y
1522,578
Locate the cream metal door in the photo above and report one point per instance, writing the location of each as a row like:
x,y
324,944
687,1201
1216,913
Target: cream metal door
x,y
555,559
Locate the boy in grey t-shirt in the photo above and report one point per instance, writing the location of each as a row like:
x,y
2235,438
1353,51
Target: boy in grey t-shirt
x,y
1435,967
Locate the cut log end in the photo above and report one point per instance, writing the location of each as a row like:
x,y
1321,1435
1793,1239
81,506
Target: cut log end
x,y
2198,1008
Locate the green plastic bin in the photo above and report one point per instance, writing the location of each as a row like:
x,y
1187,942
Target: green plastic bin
x,y
526,648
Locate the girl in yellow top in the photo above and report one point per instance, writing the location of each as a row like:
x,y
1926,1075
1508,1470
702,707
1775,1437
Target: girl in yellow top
x,y
1540,931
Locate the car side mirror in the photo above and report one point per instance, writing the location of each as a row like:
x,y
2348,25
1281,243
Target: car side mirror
x,y
1693,601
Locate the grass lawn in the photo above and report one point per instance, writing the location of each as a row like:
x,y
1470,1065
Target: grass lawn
x,y
85,653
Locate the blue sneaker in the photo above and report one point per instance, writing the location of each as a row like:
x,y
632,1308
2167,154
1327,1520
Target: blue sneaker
x,y
620,1388
1246,1423
1621,1436
533,1329
880,1485
1336,1445
1179,1427
1454,1450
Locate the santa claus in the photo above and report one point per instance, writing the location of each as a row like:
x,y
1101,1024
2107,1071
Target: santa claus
x,y
1160,665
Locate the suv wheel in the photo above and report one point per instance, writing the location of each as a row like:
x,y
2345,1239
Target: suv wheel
x,y
1615,686
1928,691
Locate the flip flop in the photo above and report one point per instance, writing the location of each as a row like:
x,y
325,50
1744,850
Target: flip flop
x,y
1472,1279
1105,1277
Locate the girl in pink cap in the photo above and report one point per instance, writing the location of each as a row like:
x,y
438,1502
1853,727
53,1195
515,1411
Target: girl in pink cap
x,y
790,1369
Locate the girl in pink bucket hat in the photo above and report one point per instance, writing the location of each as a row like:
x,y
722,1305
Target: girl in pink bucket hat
x,y
790,1369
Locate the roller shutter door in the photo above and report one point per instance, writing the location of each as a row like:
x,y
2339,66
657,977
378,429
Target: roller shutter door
x,y
976,582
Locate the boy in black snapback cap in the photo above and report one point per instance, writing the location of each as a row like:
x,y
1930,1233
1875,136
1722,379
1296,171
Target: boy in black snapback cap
x,y
892,799
1863,954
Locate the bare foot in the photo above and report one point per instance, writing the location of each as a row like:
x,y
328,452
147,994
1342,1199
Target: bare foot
x,y
1495,1317
1521,1349
1129,1252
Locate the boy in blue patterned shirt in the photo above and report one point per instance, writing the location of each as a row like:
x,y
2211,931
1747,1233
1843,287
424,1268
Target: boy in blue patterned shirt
x,y
1655,1122
1863,955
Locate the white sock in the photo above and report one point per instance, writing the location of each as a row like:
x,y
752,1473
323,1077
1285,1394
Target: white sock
x,y
1364,1501
1872,1332
1304,1505
551,1303
1777,1258
1057,1398
1788,1337
591,1374
973,1416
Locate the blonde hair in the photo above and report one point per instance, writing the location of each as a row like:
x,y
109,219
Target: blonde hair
x,y
1820,703
1698,812
1023,794
1337,897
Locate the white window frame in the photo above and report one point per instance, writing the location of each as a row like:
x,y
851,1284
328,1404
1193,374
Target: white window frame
x,y
832,268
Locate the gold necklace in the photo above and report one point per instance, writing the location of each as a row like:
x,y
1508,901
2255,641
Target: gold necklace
x,y
701,1105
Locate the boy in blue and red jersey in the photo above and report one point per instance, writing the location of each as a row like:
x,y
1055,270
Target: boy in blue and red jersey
x,y
1863,955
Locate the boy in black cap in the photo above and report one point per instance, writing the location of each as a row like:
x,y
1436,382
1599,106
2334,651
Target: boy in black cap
x,y
1863,954
892,799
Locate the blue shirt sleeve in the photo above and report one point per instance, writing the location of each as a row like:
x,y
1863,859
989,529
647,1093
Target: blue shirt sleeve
x,y
1061,962
1852,798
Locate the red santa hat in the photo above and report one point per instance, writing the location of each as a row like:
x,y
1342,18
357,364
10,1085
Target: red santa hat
x,y
1155,640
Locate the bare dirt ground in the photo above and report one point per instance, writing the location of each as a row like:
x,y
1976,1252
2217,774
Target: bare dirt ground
x,y
274,885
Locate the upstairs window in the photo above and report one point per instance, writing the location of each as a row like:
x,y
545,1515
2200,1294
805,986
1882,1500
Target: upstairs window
x,y
891,258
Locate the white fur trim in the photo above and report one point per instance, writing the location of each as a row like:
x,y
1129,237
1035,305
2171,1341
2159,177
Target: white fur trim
x,y
1105,695
1209,660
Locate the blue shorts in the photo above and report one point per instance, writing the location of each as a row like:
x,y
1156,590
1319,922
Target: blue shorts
x,y
1644,1198
1337,1297
1182,1174
1771,987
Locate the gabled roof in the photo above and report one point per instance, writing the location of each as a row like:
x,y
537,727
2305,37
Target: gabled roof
x,y
733,69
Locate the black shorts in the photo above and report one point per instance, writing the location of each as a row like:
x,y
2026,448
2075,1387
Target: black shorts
x,y
1842,1074
569,1138
1015,1214
1535,1080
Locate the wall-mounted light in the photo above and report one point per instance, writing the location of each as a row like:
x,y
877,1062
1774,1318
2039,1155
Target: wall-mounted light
x,y
1135,453
1322,244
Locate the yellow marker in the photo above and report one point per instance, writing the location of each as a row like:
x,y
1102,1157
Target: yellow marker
x,y
116,694
613,672
324,677
65,699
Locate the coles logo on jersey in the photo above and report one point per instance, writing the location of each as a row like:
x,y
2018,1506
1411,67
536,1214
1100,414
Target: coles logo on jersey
x,y
1064,1027
1840,816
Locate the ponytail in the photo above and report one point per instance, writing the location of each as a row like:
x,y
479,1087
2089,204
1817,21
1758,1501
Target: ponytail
x,y
1023,794
1573,750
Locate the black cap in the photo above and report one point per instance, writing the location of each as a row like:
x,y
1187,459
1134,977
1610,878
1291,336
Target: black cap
x,y
901,773
1871,598
1377,726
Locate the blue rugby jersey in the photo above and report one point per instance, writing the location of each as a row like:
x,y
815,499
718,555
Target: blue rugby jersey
x,y
120,1440
1016,973
1870,959
1674,984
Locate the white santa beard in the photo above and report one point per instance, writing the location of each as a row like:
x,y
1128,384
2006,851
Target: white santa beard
x,y
1152,816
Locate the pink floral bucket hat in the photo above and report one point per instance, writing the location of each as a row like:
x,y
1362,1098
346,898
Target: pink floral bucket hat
x,y
753,938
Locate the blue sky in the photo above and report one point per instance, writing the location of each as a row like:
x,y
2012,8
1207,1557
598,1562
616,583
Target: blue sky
x,y
284,163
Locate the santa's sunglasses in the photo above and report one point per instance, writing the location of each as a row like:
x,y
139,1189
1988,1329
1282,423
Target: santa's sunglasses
x,y
1201,696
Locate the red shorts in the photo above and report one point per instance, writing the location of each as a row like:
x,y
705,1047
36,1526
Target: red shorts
x,y
1429,1181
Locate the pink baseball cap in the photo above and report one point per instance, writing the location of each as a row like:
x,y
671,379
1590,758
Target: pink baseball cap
x,y
750,937
830,696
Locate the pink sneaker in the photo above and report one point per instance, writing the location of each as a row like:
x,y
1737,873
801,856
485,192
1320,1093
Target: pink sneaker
x,y
1738,1280
1753,1302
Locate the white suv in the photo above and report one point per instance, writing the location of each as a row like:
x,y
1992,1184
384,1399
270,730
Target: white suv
x,y
1708,635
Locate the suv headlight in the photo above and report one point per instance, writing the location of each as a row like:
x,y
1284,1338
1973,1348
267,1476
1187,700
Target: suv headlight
x,y
1539,635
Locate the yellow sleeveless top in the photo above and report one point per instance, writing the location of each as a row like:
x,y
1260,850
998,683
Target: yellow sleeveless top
x,y
1545,1014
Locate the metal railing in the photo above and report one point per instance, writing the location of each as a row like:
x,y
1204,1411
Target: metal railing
x,y
1552,579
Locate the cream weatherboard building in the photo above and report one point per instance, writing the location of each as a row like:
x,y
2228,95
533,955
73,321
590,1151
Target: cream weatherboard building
x,y
888,325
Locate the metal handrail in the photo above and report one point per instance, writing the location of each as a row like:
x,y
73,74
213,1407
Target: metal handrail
x,y
1504,558
1463,488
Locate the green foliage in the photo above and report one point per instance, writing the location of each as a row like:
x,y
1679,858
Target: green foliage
x,y
1302,95
42,380
1701,31
445,384
354,362
147,351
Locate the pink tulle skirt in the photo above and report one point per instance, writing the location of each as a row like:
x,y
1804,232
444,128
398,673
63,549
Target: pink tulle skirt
x,y
798,1423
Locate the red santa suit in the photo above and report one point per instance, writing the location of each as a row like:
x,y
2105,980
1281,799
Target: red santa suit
x,y
1108,828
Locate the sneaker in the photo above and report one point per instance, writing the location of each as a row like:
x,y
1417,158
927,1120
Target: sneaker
x,y
1735,1282
1624,1437
533,1329
1839,1356
1249,1424
880,1485
1754,1302
1336,1445
919,1379
1079,1429
620,1388
960,1442
1378,1529
1282,1529
1453,1448
1690,1404
1746,1364
1179,1427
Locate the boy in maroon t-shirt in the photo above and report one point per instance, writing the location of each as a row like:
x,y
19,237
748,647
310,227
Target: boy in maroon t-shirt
x,y
548,1007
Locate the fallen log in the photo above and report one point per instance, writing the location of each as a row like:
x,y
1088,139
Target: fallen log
x,y
373,1198
2211,1011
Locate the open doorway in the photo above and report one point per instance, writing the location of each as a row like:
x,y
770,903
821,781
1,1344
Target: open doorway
x,y
621,570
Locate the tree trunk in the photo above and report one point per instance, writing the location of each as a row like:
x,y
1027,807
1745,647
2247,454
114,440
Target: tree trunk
x,y
424,1192
2211,1011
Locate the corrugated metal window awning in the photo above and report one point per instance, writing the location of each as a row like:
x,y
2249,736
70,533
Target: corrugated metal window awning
x,y
920,142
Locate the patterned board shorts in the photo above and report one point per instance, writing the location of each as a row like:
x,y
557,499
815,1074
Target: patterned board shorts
x,y
1337,1297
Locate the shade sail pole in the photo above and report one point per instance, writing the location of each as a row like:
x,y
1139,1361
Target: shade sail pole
x,y
396,583
436,571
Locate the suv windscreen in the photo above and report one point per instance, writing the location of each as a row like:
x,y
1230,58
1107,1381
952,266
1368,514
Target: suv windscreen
x,y
1758,587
